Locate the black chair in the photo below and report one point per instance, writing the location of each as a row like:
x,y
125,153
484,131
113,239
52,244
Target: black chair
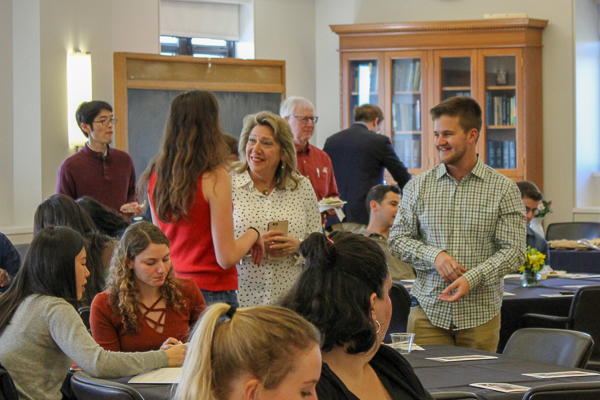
x,y
22,250
454,395
569,348
561,391
87,388
583,317
400,310
573,230
8,391
84,313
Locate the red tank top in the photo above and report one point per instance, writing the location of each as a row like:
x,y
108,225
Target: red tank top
x,y
192,248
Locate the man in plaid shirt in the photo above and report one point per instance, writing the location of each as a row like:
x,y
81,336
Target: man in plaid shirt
x,y
462,226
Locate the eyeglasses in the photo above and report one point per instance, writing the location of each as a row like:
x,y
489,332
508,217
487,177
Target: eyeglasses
x,y
106,122
305,120
535,211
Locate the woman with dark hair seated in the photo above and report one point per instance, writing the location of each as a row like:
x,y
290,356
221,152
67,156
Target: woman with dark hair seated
x,y
343,291
41,334
61,210
106,220
144,306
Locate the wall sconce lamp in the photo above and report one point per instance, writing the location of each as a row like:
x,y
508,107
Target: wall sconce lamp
x,y
79,89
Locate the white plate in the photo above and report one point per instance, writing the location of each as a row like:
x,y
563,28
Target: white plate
x,y
331,206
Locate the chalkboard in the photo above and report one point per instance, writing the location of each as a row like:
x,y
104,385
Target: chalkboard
x,y
148,110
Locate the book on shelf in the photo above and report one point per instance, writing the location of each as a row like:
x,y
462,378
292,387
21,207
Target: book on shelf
x,y
501,154
501,109
406,116
408,151
407,75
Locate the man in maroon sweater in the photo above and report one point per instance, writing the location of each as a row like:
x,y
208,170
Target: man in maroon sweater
x,y
98,170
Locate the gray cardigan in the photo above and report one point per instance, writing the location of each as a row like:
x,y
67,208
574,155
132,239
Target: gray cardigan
x,y
46,335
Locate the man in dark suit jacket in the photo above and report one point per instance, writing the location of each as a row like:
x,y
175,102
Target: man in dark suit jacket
x,y
359,156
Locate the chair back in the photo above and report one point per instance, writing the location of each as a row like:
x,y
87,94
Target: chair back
x,y
22,250
8,391
353,227
454,395
584,312
84,313
561,391
86,387
570,349
400,310
573,230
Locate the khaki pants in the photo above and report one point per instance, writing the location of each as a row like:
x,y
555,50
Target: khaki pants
x,y
483,337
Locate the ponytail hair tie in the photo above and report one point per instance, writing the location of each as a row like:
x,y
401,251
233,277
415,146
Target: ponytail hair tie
x,y
330,241
231,311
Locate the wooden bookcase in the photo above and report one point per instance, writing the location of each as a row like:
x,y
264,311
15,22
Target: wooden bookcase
x,y
407,68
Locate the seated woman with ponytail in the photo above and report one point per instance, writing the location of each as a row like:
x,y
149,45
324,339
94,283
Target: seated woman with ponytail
x,y
41,334
343,291
258,353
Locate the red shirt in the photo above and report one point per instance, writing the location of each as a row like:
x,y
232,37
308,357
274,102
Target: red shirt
x,y
109,332
192,247
315,164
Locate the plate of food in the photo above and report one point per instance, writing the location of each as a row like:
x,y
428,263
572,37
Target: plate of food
x,y
330,203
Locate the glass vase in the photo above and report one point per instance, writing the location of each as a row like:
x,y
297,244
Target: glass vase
x,y
530,278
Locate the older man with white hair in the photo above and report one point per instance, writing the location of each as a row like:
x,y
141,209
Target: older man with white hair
x,y
313,163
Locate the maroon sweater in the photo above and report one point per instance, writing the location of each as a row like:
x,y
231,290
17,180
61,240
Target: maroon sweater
x,y
109,180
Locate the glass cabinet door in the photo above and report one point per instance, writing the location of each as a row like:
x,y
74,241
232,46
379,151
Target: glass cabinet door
x,y
362,74
406,110
455,77
501,111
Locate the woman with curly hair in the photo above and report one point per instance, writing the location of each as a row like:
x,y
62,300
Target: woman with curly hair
x,y
145,307
190,197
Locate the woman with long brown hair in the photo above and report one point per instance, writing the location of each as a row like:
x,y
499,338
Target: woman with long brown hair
x,y
190,197
145,307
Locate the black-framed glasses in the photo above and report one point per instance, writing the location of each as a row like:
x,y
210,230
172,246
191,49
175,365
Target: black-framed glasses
x,y
305,120
535,211
107,122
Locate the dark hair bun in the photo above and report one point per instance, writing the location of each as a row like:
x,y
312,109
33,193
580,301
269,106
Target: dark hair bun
x,y
318,250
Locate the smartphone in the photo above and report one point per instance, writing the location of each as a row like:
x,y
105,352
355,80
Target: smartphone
x,y
277,226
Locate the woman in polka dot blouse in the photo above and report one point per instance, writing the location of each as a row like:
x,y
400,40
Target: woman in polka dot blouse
x,y
266,188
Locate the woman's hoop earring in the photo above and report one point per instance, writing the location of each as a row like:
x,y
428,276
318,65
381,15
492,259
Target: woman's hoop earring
x,y
378,327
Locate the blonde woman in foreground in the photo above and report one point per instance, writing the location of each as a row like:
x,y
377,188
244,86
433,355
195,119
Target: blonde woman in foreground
x,y
263,353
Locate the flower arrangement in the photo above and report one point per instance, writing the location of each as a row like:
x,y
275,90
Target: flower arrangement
x,y
545,207
534,261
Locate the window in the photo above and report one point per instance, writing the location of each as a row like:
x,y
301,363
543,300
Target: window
x,y
197,47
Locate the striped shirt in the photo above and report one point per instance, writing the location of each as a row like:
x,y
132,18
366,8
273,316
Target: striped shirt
x,y
480,221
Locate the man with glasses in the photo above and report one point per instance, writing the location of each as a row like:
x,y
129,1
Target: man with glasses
x,y
531,197
313,163
359,156
97,170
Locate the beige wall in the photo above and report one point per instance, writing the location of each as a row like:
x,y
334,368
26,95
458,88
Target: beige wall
x,y
558,69
6,111
285,30
33,121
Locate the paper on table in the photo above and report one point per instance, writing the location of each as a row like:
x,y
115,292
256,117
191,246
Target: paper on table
x,y
408,280
462,358
558,295
512,276
563,374
508,294
574,286
164,376
501,387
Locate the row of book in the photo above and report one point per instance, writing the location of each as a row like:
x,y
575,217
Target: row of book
x,y
406,116
407,75
501,109
354,76
408,150
501,154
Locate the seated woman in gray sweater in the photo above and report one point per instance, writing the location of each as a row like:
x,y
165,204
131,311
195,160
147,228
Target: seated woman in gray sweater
x,y
41,334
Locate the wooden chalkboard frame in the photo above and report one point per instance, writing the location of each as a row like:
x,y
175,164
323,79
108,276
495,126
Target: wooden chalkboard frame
x,y
152,71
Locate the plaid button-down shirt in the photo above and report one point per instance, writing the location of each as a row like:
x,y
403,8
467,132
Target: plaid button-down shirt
x,y
479,221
